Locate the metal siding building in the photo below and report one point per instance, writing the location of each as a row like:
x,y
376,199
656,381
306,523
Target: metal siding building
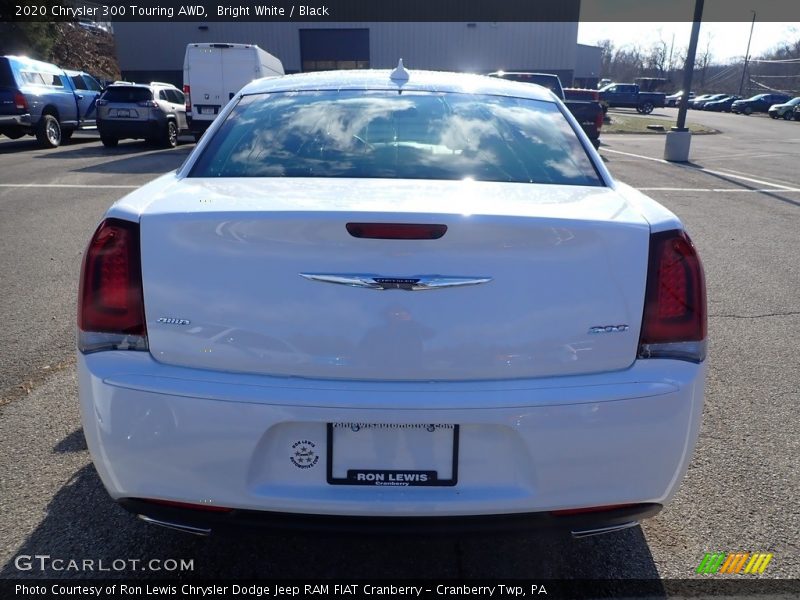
x,y
154,51
588,65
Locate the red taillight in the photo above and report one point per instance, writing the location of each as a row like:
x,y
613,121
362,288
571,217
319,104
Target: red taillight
x,y
598,120
675,298
396,231
205,507
187,93
20,101
148,103
110,298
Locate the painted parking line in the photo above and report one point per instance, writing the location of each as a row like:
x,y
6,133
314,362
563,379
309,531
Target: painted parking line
x,y
777,186
744,155
718,190
69,185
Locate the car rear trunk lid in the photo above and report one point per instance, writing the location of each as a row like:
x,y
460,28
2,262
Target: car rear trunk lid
x,y
240,275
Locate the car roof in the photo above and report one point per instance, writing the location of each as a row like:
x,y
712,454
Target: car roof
x,y
379,79
41,66
125,84
147,86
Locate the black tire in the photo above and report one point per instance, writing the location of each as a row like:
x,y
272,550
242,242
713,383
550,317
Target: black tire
x,y
788,115
108,141
646,108
48,132
170,136
748,110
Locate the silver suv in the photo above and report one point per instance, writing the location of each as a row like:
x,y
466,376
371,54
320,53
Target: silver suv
x,y
154,111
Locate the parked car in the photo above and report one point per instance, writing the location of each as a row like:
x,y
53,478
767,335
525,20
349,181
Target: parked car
x,y
699,103
758,103
627,95
155,112
696,98
354,308
785,110
675,99
722,105
587,111
41,99
213,73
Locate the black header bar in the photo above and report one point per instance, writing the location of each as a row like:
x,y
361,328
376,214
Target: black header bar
x,y
397,10
550,589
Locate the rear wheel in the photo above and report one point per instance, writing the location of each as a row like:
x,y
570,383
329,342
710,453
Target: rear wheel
x,y
108,141
646,108
48,132
170,135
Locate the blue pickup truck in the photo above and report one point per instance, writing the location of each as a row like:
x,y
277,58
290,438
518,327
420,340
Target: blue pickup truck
x,y
628,95
40,99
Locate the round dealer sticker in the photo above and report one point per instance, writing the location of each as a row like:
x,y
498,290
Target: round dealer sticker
x,y
304,455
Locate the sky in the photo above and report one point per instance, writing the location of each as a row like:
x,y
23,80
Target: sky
x,y
727,40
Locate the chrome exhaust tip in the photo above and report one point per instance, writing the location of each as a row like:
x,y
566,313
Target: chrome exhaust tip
x,y
582,533
201,531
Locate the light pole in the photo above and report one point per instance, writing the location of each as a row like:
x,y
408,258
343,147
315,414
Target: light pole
x,y
747,52
676,148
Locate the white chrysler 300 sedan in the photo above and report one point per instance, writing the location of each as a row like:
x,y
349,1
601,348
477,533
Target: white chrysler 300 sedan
x,y
394,301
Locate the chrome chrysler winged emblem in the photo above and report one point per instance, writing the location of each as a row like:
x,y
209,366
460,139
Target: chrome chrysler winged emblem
x,y
410,284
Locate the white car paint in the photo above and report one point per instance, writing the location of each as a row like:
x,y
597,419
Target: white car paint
x,y
551,416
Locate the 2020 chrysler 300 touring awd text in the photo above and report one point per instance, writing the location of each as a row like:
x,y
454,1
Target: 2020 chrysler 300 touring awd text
x,y
389,299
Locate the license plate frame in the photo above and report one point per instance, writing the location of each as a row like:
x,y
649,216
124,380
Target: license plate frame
x,y
388,477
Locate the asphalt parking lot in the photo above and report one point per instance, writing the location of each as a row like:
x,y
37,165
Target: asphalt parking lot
x,y
740,200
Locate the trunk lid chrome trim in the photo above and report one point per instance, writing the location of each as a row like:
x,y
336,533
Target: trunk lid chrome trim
x,y
409,284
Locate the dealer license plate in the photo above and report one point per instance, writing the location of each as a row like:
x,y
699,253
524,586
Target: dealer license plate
x,y
392,454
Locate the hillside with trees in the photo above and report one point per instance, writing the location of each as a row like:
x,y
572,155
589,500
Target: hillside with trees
x,y
777,70
75,46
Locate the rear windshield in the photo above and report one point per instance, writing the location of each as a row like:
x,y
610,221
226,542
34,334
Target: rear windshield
x,y
124,93
413,135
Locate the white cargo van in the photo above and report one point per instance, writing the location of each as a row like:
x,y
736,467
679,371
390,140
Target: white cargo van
x,y
213,73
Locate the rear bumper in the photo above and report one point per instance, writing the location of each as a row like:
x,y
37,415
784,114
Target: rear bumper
x,y
202,522
525,446
15,120
198,126
130,129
